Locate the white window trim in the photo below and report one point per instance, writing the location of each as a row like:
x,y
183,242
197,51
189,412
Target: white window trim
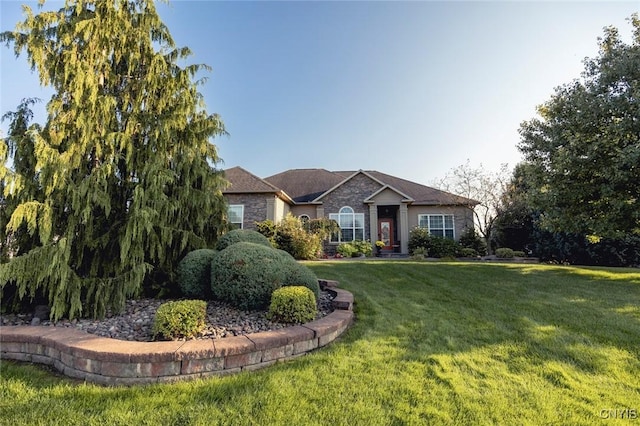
x,y
241,206
354,215
444,228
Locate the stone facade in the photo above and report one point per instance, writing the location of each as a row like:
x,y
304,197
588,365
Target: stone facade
x,y
352,193
255,207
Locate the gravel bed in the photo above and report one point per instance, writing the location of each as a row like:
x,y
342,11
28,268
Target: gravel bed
x,y
135,323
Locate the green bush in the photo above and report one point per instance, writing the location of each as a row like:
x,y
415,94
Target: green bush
x,y
268,229
245,274
419,238
194,273
292,237
470,239
296,273
346,250
181,318
293,304
519,253
504,253
419,253
435,246
468,252
362,247
355,249
242,235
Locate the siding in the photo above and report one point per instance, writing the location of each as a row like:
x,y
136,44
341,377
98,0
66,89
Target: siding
x,y
462,216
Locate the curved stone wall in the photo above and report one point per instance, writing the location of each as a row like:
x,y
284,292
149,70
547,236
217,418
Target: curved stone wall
x,y
117,362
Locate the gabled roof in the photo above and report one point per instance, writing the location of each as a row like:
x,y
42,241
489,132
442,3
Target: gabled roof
x,y
243,181
422,194
371,198
383,186
311,185
305,185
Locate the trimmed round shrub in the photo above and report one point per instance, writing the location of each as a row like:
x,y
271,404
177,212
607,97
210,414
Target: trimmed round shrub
x,y
468,252
242,235
504,253
296,273
180,319
293,304
246,274
194,273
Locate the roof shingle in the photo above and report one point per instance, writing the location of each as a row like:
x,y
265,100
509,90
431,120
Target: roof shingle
x,y
243,181
305,185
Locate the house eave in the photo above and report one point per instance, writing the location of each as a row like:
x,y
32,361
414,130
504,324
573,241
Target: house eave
x,y
440,204
405,199
280,194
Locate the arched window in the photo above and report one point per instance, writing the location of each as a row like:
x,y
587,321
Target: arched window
x,y
351,225
304,218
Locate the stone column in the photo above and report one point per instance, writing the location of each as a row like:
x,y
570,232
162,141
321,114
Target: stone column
x,y
404,229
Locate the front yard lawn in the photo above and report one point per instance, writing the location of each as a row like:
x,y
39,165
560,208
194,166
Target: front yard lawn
x,y
434,343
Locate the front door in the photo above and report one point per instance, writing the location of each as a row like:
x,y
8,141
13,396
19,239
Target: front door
x,y
385,232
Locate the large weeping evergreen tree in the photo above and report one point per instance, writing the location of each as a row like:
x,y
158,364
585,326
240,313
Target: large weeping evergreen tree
x,y
124,168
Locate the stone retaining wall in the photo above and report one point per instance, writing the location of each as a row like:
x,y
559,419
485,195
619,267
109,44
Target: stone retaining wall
x,y
117,362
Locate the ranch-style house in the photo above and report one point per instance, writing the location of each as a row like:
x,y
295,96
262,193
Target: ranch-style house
x,y
368,205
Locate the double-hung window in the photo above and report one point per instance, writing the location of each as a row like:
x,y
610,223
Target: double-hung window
x,y
351,225
439,225
236,215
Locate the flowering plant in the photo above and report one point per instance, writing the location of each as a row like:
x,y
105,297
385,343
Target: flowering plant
x,y
380,244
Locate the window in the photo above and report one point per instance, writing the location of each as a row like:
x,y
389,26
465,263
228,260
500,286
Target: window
x,y
351,225
236,215
304,218
439,225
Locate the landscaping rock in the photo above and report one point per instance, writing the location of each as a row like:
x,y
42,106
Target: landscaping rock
x,y
136,322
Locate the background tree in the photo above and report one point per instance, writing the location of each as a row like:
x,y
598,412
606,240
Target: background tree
x,y
514,227
583,150
483,186
126,178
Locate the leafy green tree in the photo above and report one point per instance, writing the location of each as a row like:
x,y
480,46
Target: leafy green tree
x,y
126,177
514,227
584,148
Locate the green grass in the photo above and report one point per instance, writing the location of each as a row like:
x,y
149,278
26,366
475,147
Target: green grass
x,y
434,343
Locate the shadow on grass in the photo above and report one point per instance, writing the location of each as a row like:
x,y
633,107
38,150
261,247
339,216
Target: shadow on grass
x,y
552,312
430,341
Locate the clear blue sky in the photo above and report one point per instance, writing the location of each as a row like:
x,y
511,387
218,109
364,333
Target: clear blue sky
x,y
412,89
